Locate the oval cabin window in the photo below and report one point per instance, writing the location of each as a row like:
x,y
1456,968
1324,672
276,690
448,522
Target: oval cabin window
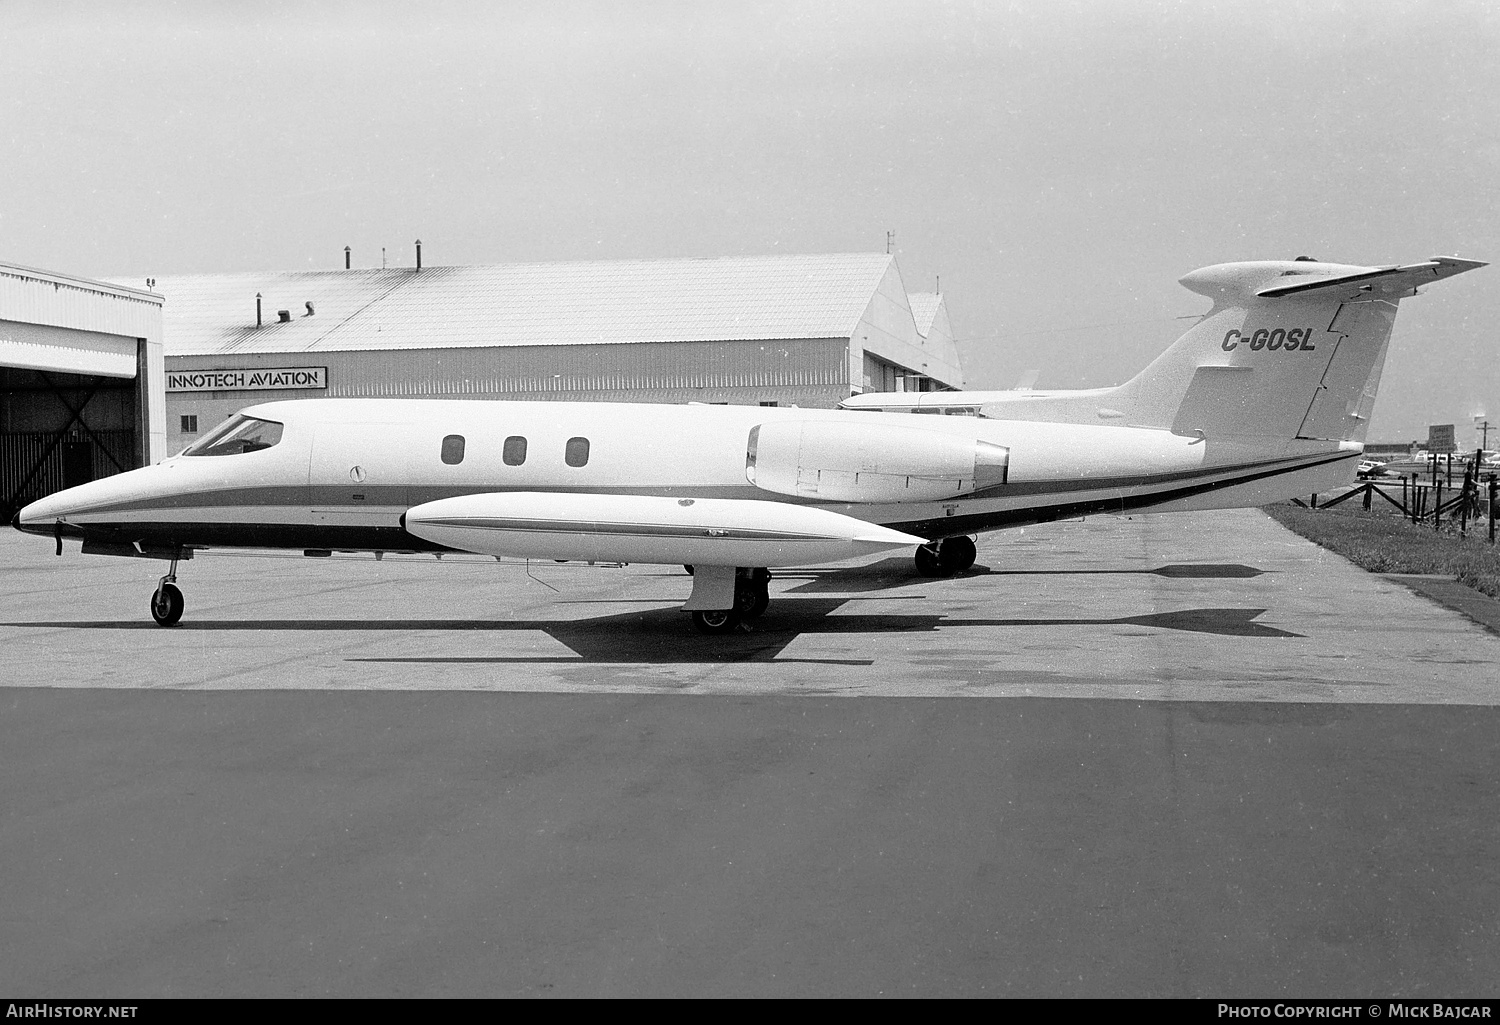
x,y
453,449
514,452
577,452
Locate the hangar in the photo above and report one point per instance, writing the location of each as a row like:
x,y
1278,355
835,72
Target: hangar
x,y
806,330
82,392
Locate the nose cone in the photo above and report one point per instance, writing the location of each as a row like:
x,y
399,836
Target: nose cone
x,y
35,518
91,504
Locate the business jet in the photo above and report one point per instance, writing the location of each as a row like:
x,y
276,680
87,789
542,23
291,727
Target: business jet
x,y
1267,396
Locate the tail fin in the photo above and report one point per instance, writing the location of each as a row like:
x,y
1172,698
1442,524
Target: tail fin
x,y
1289,350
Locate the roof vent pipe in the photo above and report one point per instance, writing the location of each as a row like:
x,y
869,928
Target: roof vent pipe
x,y
346,258
419,254
257,309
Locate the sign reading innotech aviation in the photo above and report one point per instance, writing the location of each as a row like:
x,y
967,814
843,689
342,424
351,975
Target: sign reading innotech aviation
x,y
266,379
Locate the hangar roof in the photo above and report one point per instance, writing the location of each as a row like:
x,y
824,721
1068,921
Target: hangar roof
x,y
724,299
924,307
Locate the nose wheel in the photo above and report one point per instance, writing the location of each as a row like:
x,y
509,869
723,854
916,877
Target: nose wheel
x,y
166,601
166,604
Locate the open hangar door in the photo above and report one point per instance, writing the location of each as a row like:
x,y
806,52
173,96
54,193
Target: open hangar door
x,y
79,363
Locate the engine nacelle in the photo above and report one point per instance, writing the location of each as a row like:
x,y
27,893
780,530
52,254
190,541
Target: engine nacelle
x,y
848,462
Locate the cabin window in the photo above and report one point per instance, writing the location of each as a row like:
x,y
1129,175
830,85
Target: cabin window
x,y
577,452
514,452
236,436
453,449
190,424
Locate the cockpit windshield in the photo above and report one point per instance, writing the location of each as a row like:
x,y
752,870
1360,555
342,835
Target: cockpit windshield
x,y
235,436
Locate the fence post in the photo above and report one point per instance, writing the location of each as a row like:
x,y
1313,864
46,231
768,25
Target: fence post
x,y
1437,506
1313,503
1405,505
1493,487
1368,488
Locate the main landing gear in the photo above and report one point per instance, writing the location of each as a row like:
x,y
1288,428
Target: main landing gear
x,y
752,596
166,602
946,557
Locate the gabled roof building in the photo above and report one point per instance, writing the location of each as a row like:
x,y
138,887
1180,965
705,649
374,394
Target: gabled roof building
x,y
805,330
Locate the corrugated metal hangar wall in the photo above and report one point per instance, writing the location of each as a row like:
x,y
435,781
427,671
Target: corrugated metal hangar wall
x,y
788,330
82,393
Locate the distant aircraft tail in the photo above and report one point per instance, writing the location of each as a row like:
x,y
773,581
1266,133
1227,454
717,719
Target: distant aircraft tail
x,y
1290,350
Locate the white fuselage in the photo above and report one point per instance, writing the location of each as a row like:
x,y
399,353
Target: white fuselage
x,y
345,472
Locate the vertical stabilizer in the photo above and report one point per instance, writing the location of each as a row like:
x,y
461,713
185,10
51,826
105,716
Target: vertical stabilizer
x,y
1289,350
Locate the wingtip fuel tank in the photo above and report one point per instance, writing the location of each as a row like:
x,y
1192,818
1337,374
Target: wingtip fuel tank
x,y
654,529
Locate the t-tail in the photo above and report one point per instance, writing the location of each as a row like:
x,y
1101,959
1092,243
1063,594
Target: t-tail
x,y
1292,351
1276,381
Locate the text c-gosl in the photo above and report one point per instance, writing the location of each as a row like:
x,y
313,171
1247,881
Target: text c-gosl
x,y
1298,338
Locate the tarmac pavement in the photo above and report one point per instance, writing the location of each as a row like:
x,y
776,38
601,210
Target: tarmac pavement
x,y
1180,755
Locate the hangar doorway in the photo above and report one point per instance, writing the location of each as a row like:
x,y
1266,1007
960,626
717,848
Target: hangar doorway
x,y
82,385
60,430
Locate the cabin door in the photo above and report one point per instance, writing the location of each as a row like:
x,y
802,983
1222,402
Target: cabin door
x,y
358,475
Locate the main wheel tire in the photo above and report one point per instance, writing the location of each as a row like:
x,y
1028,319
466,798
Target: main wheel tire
x,y
716,621
166,605
752,595
957,554
928,563
751,602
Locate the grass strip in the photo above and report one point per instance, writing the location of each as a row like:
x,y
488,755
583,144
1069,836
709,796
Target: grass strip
x,y
1385,543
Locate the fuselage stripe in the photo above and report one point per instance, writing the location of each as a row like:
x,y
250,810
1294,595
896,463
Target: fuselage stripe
x,y
540,526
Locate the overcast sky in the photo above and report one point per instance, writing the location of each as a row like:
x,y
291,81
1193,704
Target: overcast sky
x,y
1059,165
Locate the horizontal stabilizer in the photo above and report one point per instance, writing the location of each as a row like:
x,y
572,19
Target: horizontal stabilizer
x,y
1375,283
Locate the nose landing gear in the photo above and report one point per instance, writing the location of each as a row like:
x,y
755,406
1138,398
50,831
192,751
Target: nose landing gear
x,y
166,601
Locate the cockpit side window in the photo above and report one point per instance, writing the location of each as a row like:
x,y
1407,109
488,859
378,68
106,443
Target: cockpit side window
x,y
236,436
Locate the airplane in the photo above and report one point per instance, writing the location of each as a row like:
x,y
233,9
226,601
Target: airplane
x,y
1267,396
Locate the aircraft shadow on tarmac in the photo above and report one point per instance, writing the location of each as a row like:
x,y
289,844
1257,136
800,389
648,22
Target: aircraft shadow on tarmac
x,y
656,635
662,636
896,572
